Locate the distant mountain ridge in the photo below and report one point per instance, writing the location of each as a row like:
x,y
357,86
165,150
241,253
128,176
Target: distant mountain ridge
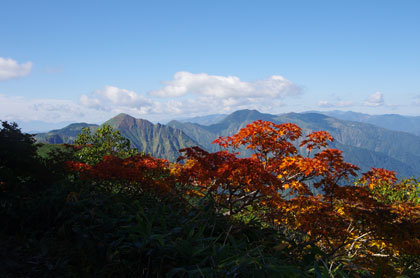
x,y
363,144
159,140
204,120
410,124
64,135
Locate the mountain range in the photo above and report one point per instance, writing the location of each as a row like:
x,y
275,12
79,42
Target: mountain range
x,y
157,139
363,144
410,124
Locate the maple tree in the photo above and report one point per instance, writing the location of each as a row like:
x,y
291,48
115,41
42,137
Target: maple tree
x,y
358,219
346,218
233,182
275,170
136,173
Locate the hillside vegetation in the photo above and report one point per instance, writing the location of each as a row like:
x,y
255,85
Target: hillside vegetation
x,y
363,144
101,208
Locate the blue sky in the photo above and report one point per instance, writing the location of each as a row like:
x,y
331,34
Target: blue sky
x,y
89,60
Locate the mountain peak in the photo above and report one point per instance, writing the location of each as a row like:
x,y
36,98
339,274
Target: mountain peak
x,y
122,116
246,111
247,114
127,120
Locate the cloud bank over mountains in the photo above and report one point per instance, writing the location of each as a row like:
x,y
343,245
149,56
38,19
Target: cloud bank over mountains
x,y
46,110
187,94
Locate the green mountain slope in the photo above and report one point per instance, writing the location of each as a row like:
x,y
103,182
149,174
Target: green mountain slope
x,y
198,133
363,144
159,140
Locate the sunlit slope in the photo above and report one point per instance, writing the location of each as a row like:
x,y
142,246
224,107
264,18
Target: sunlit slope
x,y
159,140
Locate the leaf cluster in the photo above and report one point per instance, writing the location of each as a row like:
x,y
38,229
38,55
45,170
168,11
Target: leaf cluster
x,y
105,141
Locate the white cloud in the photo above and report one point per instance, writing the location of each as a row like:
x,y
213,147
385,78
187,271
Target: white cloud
x,y
375,100
344,103
202,84
10,68
195,94
47,110
324,103
203,94
340,103
111,97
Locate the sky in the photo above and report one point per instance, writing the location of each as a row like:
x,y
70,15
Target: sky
x,y
87,61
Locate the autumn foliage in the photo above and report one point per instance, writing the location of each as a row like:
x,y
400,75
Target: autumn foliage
x,y
373,220
139,172
346,219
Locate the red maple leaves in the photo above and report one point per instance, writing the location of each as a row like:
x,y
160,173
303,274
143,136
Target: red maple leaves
x,y
280,183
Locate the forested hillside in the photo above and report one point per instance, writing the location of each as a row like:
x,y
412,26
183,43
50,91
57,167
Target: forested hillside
x,y
101,208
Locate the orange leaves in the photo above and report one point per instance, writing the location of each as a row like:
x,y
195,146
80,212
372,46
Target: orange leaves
x,y
313,216
344,218
275,163
378,175
235,182
264,137
75,166
332,168
317,140
143,170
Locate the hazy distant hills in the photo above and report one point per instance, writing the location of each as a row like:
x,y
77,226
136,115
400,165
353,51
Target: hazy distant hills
x,y
204,120
363,144
36,126
390,121
64,135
